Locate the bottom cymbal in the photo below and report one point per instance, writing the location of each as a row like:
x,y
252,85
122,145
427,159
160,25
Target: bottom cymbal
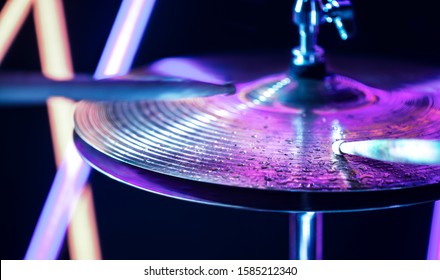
x,y
253,198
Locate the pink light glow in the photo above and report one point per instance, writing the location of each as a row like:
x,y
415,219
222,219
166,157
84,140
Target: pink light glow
x,y
64,193
184,68
124,38
434,238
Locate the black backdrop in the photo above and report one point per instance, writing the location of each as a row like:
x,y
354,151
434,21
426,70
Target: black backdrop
x,y
138,225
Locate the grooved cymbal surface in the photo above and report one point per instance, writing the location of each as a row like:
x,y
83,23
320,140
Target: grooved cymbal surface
x,y
231,141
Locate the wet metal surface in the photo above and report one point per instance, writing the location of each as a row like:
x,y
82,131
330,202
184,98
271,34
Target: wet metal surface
x,y
228,141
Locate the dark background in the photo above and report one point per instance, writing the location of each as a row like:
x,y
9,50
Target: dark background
x,y
138,225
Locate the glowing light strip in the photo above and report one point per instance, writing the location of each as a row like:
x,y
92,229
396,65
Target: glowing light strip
x,y
60,110
64,193
12,17
82,235
434,238
124,38
185,68
53,42
56,64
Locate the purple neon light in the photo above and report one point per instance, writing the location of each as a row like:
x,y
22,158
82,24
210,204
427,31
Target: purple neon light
x,y
63,195
434,238
124,38
185,68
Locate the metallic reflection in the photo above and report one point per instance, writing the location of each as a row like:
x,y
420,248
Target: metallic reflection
x,y
306,236
415,151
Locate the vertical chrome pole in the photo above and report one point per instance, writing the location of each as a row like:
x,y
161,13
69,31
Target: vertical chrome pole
x,y
434,238
305,236
308,58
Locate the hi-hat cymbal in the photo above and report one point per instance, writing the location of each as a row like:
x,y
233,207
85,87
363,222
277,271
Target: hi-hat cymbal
x,y
238,146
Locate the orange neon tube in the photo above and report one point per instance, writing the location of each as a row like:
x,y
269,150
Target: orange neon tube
x,y
53,42
12,17
82,234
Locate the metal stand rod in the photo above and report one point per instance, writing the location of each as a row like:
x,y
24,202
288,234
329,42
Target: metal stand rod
x,y
308,58
434,238
305,236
